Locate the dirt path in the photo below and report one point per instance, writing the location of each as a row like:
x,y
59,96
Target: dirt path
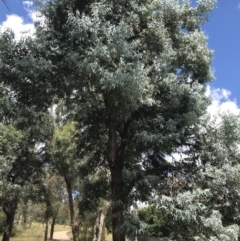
x,y
61,236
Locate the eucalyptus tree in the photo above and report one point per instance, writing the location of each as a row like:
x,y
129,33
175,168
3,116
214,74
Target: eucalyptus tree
x,y
63,159
24,130
20,171
135,72
54,198
10,192
58,197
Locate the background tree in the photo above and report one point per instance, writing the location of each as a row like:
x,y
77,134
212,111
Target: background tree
x,y
99,227
10,192
63,154
58,196
20,171
24,130
205,203
94,203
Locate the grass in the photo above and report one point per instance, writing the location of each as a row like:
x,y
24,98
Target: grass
x,y
108,236
35,233
61,228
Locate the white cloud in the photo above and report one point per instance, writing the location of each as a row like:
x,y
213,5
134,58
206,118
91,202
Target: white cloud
x,y
36,16
221,102
27,4
239,5
18,26
33,14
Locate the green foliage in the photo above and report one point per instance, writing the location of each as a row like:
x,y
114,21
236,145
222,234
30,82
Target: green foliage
x,y
88,222
63,149
132,74
24,130
63,215
154,223
92,190
208,207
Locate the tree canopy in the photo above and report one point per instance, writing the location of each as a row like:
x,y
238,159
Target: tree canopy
x,y
133,75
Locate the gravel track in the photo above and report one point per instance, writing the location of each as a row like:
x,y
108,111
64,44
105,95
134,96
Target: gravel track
x,y
61,236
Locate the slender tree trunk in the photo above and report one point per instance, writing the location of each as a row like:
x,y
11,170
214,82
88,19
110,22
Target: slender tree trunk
x,y
99,224
85,232
46,231
74,223
25,211
52,228
104,231
20,219
9,223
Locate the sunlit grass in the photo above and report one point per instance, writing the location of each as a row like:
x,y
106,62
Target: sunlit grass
x,y
61,228
34,233
108,236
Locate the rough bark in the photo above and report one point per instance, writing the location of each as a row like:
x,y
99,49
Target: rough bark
x,y
74,223
9,223
99,224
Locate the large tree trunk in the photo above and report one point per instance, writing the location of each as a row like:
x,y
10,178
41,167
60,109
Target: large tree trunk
x,y
52,227
116,168
10,213
74,223
117,206
99,224
116,162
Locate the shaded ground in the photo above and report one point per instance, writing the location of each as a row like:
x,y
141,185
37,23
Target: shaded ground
x,y
61,236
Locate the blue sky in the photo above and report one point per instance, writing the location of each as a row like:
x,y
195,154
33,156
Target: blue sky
x,y
222,29
16,7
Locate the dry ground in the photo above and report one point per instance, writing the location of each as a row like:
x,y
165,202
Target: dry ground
x,y
61,236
